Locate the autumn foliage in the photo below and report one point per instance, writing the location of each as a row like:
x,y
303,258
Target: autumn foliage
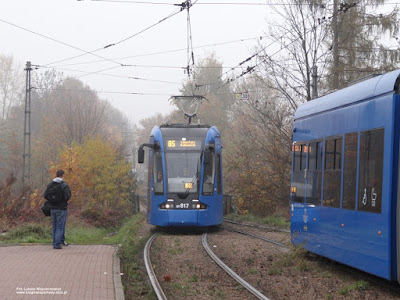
x,y
101,182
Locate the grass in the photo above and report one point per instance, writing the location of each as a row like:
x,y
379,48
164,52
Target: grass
x,y
269,220
77,232
194,278
28,233
329,297
134,280
183,290
360,285
215,293
275,271
253,271
296,258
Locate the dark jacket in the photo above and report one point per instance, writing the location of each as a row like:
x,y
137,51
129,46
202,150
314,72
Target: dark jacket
x,y
66,192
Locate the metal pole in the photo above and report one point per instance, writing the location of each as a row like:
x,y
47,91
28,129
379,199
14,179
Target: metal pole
x,y
314,85
26,168
335,49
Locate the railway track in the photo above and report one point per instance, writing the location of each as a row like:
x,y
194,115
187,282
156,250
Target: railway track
x,y
394,287
158,289
150,272
257,237
269,228
231,273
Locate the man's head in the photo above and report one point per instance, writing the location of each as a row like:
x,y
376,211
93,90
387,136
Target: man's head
x,y
60,173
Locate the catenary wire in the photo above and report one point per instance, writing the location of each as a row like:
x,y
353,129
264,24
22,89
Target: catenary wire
x,y
171,51
225,3
250,69
118,42
110,75
103,92
58,41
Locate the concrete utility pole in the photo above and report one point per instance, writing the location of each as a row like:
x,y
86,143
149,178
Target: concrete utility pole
x,y
335,50
314,82
26,169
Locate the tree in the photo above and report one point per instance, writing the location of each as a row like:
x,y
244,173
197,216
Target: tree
x,y
11,85
207,81
98,178
300,34
258,154
78,112
357,39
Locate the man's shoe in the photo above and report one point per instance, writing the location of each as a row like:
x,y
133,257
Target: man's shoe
x,y
64,243
58,247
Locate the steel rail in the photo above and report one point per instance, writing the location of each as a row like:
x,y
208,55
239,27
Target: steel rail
x,y
257,226
258,237
235,276
150,272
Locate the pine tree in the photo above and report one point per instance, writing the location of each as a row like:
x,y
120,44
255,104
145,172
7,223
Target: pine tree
x,y
358,36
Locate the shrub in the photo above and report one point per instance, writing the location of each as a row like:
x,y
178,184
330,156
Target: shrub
x,y
103,218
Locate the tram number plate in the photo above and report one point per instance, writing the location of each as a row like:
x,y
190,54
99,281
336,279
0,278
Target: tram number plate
x,y
183,205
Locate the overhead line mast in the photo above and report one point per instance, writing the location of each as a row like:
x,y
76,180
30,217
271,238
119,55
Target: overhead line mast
x,y
26,168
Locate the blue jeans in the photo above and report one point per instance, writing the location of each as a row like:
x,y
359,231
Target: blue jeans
x,y
58,220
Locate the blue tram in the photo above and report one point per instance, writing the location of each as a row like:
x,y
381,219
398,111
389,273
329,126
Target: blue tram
x,y
345,200
184,176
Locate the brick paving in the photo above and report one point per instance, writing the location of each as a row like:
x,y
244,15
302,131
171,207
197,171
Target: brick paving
x,y
77,272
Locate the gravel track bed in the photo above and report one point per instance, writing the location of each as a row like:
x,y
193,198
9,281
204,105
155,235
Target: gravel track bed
x,y
281,237
185,271
292,274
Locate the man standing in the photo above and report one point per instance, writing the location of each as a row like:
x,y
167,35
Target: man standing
x,y
58,193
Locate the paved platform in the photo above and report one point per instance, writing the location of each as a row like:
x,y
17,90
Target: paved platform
x,y
77,272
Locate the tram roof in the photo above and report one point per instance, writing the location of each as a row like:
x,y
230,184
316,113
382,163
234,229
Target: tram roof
x,y
358,92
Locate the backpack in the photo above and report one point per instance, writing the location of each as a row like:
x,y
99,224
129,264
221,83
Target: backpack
x,y
54,193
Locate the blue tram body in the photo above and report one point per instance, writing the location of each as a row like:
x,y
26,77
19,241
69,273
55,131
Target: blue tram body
x,y
345,202
185,176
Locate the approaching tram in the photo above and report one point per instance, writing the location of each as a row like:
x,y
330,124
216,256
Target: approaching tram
x,y
184,176
345,196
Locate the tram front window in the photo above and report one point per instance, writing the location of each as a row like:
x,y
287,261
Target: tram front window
x,y
183,171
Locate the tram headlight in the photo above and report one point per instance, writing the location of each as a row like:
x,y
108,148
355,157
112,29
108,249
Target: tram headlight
x,y
198,205
167,205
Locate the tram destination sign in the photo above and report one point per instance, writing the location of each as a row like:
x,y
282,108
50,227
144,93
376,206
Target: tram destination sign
x,y
183,144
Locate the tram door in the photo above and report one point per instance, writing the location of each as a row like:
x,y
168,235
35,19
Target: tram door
x,y
298,188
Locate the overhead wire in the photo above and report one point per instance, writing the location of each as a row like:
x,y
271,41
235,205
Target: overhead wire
x,y
175,12
249,69
190,54
221,3
58,41
110,75
134,2
170,51
102,92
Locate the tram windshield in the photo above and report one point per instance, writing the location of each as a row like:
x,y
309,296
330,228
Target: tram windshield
x,y
183,171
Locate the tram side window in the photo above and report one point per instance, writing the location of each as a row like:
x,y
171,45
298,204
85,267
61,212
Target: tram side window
x,y
209,172
158,173
219,174
299,164
304,150
332,172
312,156
296,157
314,174
350,170
371,171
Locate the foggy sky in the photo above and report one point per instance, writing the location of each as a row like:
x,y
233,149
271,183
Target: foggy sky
x,y
91,25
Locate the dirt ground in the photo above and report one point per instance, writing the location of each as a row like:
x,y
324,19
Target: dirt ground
x,y
185,270
281,273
